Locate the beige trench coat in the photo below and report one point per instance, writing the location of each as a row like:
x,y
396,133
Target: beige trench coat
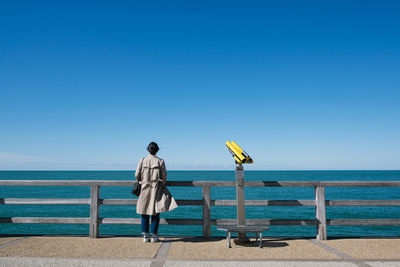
x,y
152,175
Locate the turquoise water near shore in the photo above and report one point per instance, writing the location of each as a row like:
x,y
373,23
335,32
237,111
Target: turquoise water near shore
x,y
193,212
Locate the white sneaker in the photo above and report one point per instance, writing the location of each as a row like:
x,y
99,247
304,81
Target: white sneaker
x,y
146,238
154,239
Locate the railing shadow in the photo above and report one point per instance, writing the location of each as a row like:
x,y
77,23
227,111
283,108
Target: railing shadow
x,y
6,220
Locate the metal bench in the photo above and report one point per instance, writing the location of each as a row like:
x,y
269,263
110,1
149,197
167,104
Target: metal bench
x,y
242,229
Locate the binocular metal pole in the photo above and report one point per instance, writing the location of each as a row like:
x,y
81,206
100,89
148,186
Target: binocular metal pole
x,y
241,217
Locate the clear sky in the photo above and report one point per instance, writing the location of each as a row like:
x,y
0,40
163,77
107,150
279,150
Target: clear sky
x,y
86,85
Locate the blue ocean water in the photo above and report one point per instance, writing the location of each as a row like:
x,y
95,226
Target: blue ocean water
x,y
193,212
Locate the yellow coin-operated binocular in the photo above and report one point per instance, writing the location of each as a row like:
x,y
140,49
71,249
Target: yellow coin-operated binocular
x,y
237,153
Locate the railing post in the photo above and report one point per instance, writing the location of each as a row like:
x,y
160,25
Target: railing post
x,y
206,211
94,211
320,213
241,217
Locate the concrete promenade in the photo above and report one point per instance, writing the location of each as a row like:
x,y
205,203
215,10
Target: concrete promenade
x,y
186,251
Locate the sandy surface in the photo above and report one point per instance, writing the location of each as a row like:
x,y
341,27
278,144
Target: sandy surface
x,y
181,249
385,249
81,247
68,262
287,249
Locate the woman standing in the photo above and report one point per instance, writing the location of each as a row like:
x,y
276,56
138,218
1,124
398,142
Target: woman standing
x,y
152,175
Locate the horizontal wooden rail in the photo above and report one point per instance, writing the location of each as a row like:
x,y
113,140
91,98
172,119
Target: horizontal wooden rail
x,y
348,203
50,220
196,202
205,183
45,201
265,202
71,220
264,222
363,222
181,202
320,204
162,221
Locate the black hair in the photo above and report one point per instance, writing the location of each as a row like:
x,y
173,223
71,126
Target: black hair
x,y
153,148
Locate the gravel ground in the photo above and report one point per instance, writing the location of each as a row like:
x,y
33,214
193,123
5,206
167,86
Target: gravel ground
x,y
290,249
81,247
179,250
385,249
4,240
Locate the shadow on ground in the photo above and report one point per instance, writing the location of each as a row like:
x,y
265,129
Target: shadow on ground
x,y
265,243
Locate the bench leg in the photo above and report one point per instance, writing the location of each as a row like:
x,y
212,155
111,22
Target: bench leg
x,y
228,238
261,240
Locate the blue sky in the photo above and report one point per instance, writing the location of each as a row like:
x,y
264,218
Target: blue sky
x,y
298,84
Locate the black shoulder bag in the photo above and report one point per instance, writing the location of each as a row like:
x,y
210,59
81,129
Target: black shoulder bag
x,y
136,188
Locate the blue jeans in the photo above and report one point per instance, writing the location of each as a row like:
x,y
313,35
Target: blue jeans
x,y
155,222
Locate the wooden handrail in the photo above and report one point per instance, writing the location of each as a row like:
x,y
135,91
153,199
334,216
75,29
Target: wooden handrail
x,y
95,202
205,183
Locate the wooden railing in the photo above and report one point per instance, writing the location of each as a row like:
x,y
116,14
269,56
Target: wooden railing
x,y
94,201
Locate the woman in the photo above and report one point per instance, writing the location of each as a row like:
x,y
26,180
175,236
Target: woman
x,y
152,175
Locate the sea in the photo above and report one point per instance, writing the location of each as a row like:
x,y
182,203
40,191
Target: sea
x,y
195,212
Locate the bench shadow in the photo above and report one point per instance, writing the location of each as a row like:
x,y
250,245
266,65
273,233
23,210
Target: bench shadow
x,y
265,243
271,243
